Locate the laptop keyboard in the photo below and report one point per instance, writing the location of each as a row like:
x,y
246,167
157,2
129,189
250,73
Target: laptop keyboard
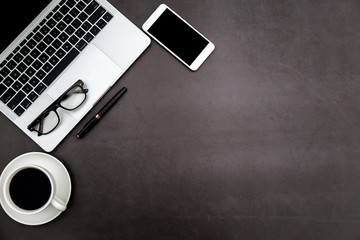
x,y
48,50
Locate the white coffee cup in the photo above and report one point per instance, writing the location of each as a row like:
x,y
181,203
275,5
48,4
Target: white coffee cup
x,y
52,199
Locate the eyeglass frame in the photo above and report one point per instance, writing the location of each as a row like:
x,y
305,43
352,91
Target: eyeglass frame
x,y
55,105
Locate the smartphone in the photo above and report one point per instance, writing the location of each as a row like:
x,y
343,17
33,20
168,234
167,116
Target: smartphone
x,y
178,37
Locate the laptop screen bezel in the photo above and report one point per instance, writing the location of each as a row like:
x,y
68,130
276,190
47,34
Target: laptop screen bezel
x,y
27,30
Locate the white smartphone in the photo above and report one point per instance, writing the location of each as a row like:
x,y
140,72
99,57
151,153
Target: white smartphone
x,y
178,37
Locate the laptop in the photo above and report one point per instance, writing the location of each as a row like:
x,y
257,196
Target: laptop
x,y
49,46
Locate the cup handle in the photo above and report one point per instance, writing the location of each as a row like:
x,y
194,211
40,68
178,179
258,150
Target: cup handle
x,y
58,204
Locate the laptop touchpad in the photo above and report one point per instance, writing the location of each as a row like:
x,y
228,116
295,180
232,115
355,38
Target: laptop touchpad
x,y
97,71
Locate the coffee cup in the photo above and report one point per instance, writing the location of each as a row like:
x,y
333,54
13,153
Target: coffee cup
x,y
30,189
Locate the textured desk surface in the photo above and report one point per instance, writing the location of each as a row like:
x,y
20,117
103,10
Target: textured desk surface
x,y
262,142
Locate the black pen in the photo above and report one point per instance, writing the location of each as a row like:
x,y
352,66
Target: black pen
x,y
93,121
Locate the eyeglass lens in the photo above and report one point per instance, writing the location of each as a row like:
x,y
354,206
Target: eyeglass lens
x,y
72,99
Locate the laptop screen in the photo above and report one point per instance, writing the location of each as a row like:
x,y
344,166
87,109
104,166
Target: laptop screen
x,y
23,12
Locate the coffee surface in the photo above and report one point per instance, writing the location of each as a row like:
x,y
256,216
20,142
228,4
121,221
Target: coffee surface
x,y
30,189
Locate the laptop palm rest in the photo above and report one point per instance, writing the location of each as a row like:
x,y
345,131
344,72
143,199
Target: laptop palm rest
x,y
97,71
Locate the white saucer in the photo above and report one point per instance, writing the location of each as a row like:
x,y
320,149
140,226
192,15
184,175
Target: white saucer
x,y
62,181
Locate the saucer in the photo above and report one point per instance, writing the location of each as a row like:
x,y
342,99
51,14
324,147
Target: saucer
x,y
61,178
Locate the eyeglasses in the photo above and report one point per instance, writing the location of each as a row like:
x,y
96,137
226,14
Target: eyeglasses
x,y
49,119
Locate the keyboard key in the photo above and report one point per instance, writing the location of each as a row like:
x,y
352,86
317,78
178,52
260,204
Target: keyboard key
x,y
79,33
96,15
43,57
16,50
57,7
40,74
64,10
30,71
23,43
19,110
23,79
25,103
61,25
27,88
34,81
35,29
15,74
24,51
107,17
29,36
60,67
35,53
38,37
54,33
56,44
54,60
80,5
17,86
21,67
57,17
8,81
48,39
18,57
36,65
70,3
68,19
16,100
45,30
7,95
88,37
74,12
31,44
70,30
101,24
9,56
76,23
81,45
86,26
40,88
11,64
67,46
91,7
63,37
32,96
82,17
4,71
94,30
28,60
73,40
60,53
42,22
41,46
51,23
47,67
50,50
49,15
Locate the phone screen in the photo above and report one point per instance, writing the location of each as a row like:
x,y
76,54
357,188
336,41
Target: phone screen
x,y
177,36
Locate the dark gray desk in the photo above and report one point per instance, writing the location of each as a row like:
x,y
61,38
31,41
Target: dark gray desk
x,y
262,142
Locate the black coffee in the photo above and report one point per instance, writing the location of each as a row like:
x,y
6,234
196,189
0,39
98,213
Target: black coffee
x,y
30,189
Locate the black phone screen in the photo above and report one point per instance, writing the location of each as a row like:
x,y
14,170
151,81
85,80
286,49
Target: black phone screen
x,y
177,36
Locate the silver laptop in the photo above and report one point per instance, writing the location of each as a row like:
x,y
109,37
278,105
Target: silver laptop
x,y
48,47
